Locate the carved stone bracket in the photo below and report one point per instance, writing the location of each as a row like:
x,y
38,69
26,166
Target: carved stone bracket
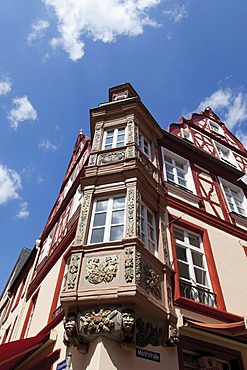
x,y
111,157
129,265
102,269
73,270
147,334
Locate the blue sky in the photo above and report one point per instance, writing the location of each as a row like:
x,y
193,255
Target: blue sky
x,y
58,60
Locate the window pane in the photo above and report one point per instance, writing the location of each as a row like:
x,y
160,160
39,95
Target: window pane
x,y
117,217
116,233
181,254
101,205
201,277
183,270
178,234
150,218
197,259
194,240
119,202
99,219
97,235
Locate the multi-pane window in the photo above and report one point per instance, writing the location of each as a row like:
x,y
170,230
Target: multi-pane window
x,y
215,128
114,138
148,231
192,268
176,170
235,199
144,145
226,155
107,219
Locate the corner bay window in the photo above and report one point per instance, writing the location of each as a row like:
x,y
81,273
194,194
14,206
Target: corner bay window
x,y
148,232
144,145
107,222
114,138
192,268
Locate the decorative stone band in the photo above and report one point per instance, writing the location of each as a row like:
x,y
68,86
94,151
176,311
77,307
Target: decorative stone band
x,y
83,218
111,157
129,265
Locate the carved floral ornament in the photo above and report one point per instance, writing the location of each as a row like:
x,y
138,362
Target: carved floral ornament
x,y
83,218
103,269
131,212
111,157
129,265
73,270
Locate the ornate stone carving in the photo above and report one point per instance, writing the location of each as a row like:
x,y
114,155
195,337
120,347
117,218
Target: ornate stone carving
x,y
92,160
96,139
129,265
138,214
131,212
97,321
71,334
147,334
164,240
83,218
128,328
173,339
73,270
102,269
111,157
130,127
169,296
152,281
138,267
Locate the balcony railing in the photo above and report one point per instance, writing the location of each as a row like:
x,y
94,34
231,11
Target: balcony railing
x,y
197,294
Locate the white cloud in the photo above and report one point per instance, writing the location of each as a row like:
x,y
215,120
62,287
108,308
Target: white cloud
x,y
98,20
38,29
10,183
23,212
176,13
5,86
47,145
23,111
229,104
242,136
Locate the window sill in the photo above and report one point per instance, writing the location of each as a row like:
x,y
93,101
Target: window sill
x,y
182,192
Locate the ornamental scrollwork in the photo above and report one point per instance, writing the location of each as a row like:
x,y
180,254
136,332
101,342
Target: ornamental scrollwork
x,y
92,160
138,214
152,281
102,269
129,265
131,212
83,218
147,334
138,267
111,157
130,126
96,139
73,270
98,321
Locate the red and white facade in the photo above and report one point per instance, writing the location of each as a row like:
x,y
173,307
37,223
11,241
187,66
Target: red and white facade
x,y
142,260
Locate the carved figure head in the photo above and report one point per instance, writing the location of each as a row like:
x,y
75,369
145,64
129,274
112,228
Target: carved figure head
x,y
70,324
128,320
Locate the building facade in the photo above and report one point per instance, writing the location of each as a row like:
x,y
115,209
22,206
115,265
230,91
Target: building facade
x,y
142,260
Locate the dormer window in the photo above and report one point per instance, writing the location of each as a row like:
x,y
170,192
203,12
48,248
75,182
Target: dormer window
x,y
187,135
226,155
144,145
214,127
114,138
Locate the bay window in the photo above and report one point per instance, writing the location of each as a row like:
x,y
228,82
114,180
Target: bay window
x,y
148,229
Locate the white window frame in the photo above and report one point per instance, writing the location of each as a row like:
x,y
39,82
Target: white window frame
x,y
176,159
77,200
148,229
187,135
108,225
215,128
45,249
144,145
232,199
226,155
115,136
192,266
